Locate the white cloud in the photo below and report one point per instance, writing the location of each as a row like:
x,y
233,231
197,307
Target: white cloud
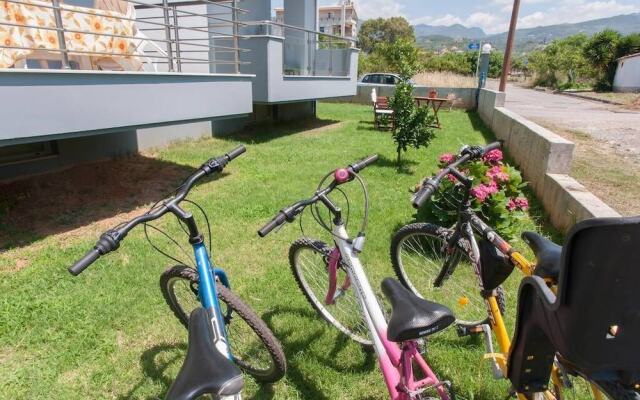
x,y
561,11
570,11
379,9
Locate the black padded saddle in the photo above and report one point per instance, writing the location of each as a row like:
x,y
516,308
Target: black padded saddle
x,y
413,317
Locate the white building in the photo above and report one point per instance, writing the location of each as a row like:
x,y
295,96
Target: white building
x,y
339,20
134,75
627,77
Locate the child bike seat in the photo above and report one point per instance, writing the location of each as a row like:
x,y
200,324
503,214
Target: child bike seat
x,y
411,316
547,255
593,324
205,369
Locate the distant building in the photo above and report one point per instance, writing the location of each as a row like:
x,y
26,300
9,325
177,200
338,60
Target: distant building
x,y
339,20
627,77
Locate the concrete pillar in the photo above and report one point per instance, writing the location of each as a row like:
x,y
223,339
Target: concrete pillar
x,y
258,10
483,71
299,45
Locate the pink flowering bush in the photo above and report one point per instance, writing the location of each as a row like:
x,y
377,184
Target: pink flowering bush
x,y
496,193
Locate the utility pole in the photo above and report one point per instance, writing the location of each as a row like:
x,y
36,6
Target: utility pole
x,y
506,64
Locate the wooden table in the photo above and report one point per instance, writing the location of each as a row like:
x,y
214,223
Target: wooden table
x,y
435,102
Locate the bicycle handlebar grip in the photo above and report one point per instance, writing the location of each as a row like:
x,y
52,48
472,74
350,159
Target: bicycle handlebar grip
x,y
273,224
365,162
423,195
236,152
491,146
82,264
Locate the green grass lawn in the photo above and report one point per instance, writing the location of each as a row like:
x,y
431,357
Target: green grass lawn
x,y
109,334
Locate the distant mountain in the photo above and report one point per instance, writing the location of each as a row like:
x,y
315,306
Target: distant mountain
x,y
532,37
435,37
456,31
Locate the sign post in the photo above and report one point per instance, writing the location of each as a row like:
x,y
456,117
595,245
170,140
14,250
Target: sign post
x,y
476,46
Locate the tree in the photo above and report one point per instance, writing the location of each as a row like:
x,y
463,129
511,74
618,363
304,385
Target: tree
x,y
562,63
601,52
629,44
378,31
413,126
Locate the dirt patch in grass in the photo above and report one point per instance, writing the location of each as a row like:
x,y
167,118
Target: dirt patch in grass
x,y
613,178
65,201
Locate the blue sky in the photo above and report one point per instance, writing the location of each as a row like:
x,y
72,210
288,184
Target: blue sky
x,y
492,15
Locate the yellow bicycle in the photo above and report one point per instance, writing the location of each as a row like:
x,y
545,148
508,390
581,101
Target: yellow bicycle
x,y
576,316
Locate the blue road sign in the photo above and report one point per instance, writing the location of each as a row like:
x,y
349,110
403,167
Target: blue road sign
x,y
474,46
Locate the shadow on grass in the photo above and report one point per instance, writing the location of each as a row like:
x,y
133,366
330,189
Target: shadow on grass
x,y
267,131
49,204
478,124
404,167
304,383
154,369
365,125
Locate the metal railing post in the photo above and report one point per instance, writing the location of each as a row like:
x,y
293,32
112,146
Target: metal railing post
x,y
234,23
309,57
330,56
176,34
167,33
62,45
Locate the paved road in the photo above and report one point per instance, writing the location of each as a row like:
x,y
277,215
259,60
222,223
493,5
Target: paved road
x,y
618,127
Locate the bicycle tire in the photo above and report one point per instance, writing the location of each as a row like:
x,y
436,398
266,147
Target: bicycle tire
x,y
348,320
457,297
615,391
242,352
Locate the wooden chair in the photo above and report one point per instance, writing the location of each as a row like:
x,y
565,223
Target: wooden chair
x,y
382,110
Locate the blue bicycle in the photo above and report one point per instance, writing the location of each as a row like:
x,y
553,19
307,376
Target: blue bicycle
x,y
201,299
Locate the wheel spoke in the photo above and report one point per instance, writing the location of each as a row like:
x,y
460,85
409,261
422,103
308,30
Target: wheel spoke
x,y
421,257
345,313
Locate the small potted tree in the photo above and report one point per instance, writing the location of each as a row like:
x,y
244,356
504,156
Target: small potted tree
x,y
413,125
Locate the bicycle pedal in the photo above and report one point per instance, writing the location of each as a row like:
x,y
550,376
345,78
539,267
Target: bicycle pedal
x,y
464,330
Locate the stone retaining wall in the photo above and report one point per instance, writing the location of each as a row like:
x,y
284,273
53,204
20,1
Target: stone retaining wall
x,y
545,161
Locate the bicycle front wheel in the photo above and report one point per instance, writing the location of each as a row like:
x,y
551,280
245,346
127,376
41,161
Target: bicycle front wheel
x,y
254,347
424,264
309,261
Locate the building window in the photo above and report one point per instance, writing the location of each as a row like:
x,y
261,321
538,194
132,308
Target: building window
x,y
27,151
322,29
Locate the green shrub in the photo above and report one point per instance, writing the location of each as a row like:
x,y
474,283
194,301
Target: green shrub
x,y
496,193
413,125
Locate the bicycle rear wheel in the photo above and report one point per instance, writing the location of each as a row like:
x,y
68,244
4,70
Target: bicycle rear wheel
x,y
615,391
254,347
420,258
309,261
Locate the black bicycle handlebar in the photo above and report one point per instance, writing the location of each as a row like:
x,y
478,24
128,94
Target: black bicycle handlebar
x,y
82,264
110,240
466,154
288,214
362,164
278,220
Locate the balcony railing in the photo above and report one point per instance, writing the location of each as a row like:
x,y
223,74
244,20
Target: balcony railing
x,y
121,35
310,53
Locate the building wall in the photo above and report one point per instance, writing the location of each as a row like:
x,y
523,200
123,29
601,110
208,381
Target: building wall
x,y
627,77
102,147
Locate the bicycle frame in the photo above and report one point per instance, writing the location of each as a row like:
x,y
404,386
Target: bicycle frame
x,y
468,223
395,361
209,296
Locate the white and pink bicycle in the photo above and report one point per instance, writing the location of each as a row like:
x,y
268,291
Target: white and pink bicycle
x,y
333,280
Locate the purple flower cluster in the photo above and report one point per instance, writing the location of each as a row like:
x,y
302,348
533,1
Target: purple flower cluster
x,y
493,156
447,159
481,192
497,174
520,203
